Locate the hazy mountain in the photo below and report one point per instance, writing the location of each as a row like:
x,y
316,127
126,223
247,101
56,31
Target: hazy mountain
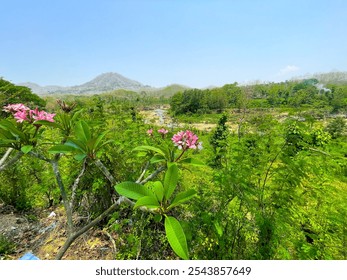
x,y
167,91
327,78
103,83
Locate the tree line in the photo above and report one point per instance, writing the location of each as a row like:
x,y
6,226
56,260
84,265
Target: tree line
x,y
291,94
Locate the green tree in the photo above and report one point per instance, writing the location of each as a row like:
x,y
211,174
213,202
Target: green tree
x,y
336,127
218,140
11,94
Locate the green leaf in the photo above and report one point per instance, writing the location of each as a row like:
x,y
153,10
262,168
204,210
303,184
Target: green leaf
x,y
7,142
218,228
47,123
192,161
182,197
98,140
157,158
158,190
132,190
80,157
157,218
103,144
176,237
78,145
76,114
10,127
147,201
149,148
83,131
170,180
61,149
26,149
6,134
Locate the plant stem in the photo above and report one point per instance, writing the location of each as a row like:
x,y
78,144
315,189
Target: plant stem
x,y
4,164
105,171
66,203
183,150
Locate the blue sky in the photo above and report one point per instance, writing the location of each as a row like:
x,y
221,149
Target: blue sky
x,y
198,43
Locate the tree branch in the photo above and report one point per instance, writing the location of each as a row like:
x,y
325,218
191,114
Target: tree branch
x,y
41,157
75,184
154,174
4,164
66,203
5,156
74,235
97,220
105,171
143,173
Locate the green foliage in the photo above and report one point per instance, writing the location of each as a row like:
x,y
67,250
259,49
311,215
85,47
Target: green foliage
x,y
275,186
84,144
176,237
132,190
6,246
12,94
155,198
170,180
218,140
198,101
337,127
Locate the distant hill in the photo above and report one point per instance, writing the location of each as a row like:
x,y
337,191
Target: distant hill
x,y
103,83
167,91
339,78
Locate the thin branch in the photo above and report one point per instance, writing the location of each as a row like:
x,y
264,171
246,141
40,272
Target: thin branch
x,y
73,236
11,161
268,170
154,174
5,156
76,234
319,151
75,184
39,156
63,195
112,241
122,199
143,173
105,171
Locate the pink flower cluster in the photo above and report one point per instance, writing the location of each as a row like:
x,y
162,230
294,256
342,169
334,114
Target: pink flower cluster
x,y
23,113
14,108
150,132
185,140
163,131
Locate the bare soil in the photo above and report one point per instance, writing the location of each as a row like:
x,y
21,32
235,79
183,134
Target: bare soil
x,y
43,236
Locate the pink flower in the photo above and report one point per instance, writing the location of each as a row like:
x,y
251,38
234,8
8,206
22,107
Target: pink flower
x,y
41,115
150,132
13,108
186,140
20,112
163,131
20,116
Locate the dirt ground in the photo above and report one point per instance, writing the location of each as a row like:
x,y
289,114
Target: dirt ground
x,y
43,236
152,117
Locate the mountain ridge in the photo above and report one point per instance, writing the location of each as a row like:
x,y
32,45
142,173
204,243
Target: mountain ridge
x,y
105,82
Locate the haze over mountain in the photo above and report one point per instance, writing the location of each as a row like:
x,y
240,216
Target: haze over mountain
x,y
103,83
335,77
110,82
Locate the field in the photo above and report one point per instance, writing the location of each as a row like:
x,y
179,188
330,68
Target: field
x,y
230,173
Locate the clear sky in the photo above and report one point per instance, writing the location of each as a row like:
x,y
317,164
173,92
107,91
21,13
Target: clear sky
x,y
198,43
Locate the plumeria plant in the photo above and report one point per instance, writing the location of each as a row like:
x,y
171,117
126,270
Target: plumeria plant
x,y
23,131
23,136
183,142
160,197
